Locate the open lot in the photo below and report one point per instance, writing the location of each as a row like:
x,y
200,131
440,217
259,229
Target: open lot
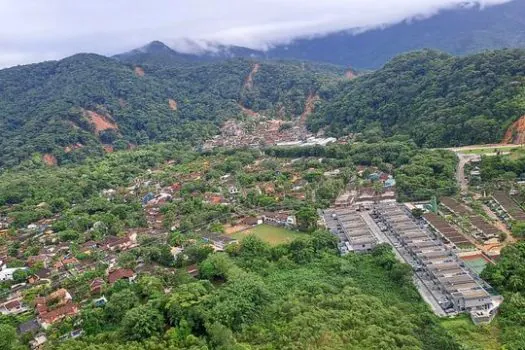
x,y
271,234
473,337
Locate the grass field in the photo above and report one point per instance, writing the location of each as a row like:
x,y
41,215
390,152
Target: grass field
x,y
473,337
271,234
505,149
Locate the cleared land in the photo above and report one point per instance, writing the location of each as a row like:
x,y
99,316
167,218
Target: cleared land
x,y
473,337
271,234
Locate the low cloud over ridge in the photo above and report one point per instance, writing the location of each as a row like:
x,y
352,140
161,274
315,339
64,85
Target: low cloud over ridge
x,y
36,31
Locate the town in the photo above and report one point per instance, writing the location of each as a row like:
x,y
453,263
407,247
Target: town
x,y
165,220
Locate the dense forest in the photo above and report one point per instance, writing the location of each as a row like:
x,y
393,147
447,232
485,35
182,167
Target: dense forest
x,y
258,297
437,99
508,277
72,107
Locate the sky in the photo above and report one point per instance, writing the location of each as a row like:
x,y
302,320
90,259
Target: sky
x,y
37,30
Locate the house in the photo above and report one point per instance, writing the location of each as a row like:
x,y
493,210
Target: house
x,y
100,301
30,326
251,221
220,242
57,306
279,219
97,285
114,243
121,274
6,274
390,182
38,342
12,307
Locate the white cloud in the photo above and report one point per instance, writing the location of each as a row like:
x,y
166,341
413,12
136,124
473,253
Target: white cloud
x,y
34,30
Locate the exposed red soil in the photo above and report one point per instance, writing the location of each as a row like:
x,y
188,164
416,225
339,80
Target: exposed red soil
x,y
350,74
173,104
108,148
49,159
101,122
309,107
516,132
248,84
139,71
249,112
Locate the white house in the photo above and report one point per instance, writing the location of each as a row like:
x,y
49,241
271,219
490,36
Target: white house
x,y
6,274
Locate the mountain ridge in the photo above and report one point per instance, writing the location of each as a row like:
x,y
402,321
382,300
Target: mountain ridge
x,y
459,31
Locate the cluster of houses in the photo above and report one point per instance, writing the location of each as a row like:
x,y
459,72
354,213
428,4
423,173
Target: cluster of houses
x,y
456,288
266,133
369,194
55,261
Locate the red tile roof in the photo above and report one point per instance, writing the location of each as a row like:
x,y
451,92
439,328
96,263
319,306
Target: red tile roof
x,y
59,313
13,304
120,274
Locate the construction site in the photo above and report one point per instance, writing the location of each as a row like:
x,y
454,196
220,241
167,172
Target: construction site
x,y
444,281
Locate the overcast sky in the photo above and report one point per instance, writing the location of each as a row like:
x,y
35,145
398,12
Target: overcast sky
x,y
37,30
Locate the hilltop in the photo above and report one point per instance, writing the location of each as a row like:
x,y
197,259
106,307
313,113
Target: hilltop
x,y
435,98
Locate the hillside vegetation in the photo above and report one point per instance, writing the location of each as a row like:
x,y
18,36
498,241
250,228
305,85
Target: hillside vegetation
x,y
274,298
70,108
436,99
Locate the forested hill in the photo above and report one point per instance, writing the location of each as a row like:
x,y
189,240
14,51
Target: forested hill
x,y
437,99
158,53
70,108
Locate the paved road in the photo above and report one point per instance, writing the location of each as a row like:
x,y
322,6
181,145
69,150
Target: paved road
x,y
473,147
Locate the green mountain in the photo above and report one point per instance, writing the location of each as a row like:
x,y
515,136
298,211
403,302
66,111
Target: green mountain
x,y
437,99
71,108
158,53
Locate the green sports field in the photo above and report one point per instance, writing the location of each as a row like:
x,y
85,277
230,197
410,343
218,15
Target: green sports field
x,y
271,234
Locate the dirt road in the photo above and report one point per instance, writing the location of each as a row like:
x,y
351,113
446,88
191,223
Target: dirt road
x,y
460,170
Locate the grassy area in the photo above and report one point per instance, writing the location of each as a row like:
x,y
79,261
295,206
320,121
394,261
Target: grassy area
x,y
473,337
511,149
271,234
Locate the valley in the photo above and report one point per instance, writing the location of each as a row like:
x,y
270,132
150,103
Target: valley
x,y
152,201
